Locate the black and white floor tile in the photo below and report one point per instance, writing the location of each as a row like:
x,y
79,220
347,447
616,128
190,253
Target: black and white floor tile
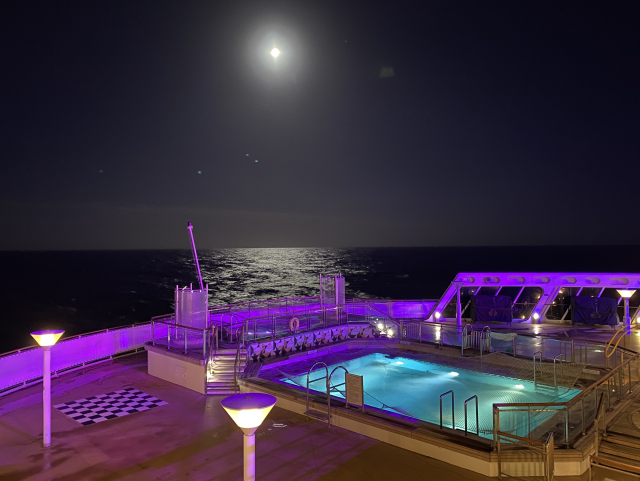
x,y
103,407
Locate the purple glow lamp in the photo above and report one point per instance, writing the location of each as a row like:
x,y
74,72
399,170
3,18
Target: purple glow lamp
x,y
248,411
46,339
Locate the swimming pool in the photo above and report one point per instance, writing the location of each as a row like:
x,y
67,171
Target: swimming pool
x,y
413,387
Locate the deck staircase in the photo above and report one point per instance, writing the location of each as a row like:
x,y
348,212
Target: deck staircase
x,y
221,377
621,447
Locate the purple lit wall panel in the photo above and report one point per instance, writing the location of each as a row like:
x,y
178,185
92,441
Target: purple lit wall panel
x,y
27,365
411,309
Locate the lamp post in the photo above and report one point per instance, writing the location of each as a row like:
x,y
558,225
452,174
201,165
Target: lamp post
x,y
46,339
248,411
458,285
626,294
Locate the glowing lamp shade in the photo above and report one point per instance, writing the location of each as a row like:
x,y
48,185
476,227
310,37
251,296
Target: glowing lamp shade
x,y
248,410
626,293
47,338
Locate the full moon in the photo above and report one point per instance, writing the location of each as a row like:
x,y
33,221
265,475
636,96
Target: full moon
x,y
275,52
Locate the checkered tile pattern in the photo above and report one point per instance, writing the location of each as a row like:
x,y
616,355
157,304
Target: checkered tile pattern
x,y
96,409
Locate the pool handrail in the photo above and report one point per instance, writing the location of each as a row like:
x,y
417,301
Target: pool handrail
x,y
465,415
453,412
326,376
555,381
534,366
338,385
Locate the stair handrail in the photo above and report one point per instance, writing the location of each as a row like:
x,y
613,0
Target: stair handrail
x,y
624,330
237,359
453,412
596,424
546,448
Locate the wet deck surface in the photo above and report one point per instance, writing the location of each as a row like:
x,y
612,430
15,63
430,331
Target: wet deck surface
x,y
192,438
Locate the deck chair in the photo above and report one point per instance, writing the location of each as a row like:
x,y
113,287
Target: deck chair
x,y
326,336
335,334
367,332
344,332
255,350
299,341
267,349
278,346
288,345
309,339
355,331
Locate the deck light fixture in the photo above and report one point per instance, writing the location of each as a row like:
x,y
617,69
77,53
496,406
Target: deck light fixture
x,y
248,411
46,339
626,294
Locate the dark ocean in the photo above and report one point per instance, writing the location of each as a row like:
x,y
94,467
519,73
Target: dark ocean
x,y
82,291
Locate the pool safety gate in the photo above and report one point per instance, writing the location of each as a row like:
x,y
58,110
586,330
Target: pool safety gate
x,y
475,339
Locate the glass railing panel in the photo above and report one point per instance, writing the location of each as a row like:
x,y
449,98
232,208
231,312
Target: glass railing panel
x,y
575,425
450,336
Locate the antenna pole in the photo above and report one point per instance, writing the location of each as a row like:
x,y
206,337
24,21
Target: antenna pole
x,y
195,254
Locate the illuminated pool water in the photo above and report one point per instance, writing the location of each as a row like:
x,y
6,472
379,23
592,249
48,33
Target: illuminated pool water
x,y
412,387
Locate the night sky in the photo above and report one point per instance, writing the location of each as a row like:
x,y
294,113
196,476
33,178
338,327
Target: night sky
x,y
380,124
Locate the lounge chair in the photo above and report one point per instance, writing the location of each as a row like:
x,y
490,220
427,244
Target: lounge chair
x,y
335,334
255,350
344,332
267,349
367,332
326,336
355,331
299,341
288,345
309,339
278,346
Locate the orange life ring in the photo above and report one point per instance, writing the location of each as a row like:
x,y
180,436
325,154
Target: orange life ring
x,y
294,324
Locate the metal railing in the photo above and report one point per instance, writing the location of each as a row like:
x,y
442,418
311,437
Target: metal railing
x,y
555,380
326,376
453,412
465,415
534,366
186,339
574,410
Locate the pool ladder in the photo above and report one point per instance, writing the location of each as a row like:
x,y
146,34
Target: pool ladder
x,y
471,339
314,413
453,412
